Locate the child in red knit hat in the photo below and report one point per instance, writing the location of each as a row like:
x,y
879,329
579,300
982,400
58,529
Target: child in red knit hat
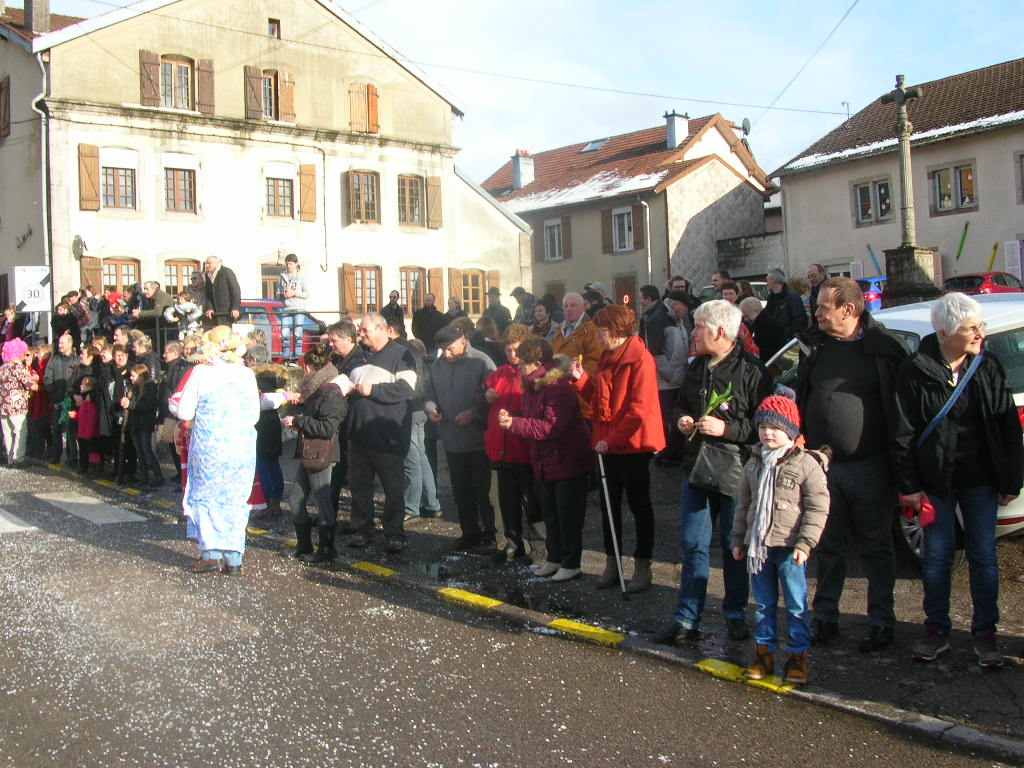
x,y
780,514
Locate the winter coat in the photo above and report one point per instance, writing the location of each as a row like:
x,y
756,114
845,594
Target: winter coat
x,y
56,377
169,383
582,342
524,313
623,397
671,363
39,404
769,335
456,387
89,417
653,322
801,501
16,382
222,292
142,408
394,313
922,389
750,385
151,309
502,445
186,315
788,308
61,324
426,322
552,423
500,315
322,411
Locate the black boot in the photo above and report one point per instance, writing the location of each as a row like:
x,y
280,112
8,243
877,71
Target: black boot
x,y
325,553
304,536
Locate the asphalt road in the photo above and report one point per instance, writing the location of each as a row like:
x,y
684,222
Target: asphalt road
x,y
115,655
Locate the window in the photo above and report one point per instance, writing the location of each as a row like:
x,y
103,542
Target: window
x,y
270,95
367,288
622,229
279,197
594,145
178,275
410,283
269,274
552,240
175,82
473,291
953,189
872,202
362,197
180,189
118,187
5,108
363,113
410,200
119,274
274,28
1018,162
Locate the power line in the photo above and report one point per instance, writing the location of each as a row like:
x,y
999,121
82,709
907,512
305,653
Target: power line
x,y
799,71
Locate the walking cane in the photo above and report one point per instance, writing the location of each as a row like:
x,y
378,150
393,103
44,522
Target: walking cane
x,y
611,526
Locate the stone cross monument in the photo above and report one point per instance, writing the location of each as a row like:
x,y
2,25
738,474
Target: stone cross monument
x,y
914,272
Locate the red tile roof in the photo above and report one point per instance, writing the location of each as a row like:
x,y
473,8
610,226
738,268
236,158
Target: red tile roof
x,y
982,99
625,164
14,19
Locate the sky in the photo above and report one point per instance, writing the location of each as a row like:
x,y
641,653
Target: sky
x,y
700,58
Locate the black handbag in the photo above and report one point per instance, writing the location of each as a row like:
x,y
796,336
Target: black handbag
x,y
718,468
315,453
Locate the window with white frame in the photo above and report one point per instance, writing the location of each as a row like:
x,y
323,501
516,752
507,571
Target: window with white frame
x,y
872,201
622,229
118,187
176,82
270,95
953,188
279,197
553,240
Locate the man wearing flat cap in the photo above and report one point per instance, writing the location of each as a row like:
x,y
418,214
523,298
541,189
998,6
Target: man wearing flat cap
x,y
496,310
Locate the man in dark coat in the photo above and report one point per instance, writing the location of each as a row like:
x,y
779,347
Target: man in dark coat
x,y
497,311
223,302
428,321
784,305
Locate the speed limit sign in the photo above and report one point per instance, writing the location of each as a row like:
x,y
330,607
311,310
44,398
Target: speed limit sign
x,y
32,289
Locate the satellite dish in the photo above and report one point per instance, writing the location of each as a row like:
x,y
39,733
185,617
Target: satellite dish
x,y
78,247
745,125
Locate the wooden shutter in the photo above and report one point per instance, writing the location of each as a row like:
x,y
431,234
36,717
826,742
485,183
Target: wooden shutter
x,y
285,97
538,241
638,227
493,278
372,109
5,107
307,193
92,273
204,86
433,202
253,93
88,177
149,79
455,283
435,285
348,289
347,182
566,237
358,120
607,242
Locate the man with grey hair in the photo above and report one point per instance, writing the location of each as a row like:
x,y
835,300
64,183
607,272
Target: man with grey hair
x,y
379,429
816,275
721,364
222,298
151,308
784,305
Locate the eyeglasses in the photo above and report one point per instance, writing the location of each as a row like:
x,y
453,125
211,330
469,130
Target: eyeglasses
x,y
973,330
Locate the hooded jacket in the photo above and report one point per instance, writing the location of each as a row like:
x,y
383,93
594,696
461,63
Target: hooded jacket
x,y
502,445
323,410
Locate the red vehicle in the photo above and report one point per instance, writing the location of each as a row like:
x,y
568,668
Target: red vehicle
x,y
265,315
983,282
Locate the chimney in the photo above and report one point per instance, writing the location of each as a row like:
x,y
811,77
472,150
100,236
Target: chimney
x,y
522,169
3,8
677,129
37,16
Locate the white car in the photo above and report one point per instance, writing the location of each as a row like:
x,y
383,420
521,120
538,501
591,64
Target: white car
x,y
1004,317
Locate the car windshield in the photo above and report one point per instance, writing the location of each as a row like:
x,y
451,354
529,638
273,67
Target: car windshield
x,y
964,283
1008,347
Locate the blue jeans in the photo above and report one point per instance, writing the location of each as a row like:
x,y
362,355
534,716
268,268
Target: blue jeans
x,y
781,569
291,334
271,476
230,556
420,490
978,507
699,508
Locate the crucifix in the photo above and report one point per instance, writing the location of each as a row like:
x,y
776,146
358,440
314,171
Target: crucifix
x,y
903,130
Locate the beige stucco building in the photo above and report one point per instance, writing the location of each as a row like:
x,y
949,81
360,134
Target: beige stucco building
x,y
633,209
249,129
841,196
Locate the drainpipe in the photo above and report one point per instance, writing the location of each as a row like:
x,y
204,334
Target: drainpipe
x,y
647,238
44,154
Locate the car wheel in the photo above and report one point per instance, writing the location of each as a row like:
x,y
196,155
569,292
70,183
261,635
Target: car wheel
x,y
910,537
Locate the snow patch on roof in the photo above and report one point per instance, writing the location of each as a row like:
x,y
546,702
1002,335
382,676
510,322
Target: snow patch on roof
x,y
867,149
601,185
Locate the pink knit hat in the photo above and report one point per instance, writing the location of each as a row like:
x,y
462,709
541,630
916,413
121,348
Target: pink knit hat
x,y
14,349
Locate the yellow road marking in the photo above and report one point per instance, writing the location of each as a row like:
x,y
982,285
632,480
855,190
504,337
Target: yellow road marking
x,y
587,632
167,503
55,467
292,543
253,531
131,491
375,570
471,599
108,483
726,671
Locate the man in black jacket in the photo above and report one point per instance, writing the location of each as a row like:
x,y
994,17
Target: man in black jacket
x,y
223,300
846,391
428,321
177,367
784,305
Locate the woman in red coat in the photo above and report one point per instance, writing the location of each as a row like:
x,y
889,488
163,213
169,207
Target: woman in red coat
x,y
623,396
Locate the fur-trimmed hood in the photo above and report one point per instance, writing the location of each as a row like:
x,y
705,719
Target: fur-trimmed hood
x,y
555,371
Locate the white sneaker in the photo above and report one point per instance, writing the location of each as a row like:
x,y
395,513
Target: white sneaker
x,y
547,569
564,574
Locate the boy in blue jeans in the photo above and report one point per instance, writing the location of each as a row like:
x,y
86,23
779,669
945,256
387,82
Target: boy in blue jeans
x,y
780,514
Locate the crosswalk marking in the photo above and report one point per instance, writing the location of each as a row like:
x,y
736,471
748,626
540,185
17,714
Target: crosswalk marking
x,y
89,508
11,524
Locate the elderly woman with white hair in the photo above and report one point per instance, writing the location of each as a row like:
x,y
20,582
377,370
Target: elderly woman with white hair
x,y
721,390
959,443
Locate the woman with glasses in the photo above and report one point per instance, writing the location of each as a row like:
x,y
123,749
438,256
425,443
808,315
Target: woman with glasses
x,y
969,457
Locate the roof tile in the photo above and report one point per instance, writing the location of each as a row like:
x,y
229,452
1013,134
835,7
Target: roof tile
x,y
14,19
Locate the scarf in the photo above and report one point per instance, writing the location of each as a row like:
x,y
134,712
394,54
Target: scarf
x,y
311,382
757,552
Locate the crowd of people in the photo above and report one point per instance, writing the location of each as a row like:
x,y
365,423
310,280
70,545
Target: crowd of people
x,y
559,401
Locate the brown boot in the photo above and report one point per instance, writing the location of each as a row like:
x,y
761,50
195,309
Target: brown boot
x,y
610,577
641,576
796,669
762,665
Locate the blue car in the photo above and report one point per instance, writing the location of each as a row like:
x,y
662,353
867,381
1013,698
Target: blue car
x,y
872,288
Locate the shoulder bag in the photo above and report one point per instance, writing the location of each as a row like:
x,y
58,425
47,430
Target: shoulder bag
x,y
315,453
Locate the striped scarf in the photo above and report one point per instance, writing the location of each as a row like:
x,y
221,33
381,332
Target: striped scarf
x,y
757,553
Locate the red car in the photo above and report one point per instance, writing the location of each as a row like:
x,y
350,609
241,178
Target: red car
x,y
264,314
983,282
